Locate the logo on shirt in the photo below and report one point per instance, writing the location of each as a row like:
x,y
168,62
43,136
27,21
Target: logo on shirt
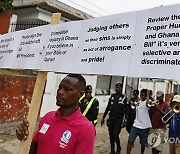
x,y
65,139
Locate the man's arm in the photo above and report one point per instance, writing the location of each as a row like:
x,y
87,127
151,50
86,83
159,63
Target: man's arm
x,y
95,109
107,108
126,111
106,112
164,110
33,148
160,110
126,108
22,133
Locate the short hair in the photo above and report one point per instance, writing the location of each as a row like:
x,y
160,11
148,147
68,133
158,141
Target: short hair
x,y
144,91
150,92
88,87
136,92
119,84
80,78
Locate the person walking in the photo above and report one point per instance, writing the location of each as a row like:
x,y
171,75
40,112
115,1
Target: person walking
x,y
174,126
141,124
132,110
117,109
158,126
89,105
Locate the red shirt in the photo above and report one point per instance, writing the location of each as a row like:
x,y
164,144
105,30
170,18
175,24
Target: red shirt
x,y
73,134
157,115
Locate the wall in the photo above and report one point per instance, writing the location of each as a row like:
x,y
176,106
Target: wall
x,y
15,97
103,101
4,20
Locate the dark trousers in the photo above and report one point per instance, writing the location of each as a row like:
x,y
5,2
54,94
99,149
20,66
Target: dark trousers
x,y
114,130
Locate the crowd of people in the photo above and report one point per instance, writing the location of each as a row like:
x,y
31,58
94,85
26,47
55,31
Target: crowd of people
x,y
71,129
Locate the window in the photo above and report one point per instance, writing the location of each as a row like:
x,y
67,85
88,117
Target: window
x,y
147,79
176,88
103,83
106,84
131,85
151,79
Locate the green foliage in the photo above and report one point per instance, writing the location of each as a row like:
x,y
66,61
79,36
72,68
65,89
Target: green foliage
x,y
5,5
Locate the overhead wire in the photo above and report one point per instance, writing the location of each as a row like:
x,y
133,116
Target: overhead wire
x,y
97,7
85,7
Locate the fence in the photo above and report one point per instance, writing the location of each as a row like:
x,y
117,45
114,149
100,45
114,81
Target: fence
x,y
25,25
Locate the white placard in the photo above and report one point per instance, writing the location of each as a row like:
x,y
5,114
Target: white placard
x,y
61,48
31,47
105,45
8,49
156,51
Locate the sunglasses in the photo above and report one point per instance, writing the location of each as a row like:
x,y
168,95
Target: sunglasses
x,y
88,92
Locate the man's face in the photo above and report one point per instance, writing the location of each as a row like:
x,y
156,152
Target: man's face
x,y
160,98
69,93
143,96
88,94
118,89
135,95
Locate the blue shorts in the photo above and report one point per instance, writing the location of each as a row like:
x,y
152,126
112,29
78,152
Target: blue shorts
x,y
142,133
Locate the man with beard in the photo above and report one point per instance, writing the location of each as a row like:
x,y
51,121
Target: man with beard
x,y
65,130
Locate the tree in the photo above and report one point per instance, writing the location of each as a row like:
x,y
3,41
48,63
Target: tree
x,y
5,5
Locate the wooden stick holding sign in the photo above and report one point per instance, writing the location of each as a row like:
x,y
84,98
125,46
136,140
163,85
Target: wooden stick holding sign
x,y
36,100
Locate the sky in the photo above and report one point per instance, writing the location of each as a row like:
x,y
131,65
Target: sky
x,y
98,8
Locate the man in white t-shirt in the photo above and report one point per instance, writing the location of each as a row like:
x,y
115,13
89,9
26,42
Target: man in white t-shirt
x,y
141,124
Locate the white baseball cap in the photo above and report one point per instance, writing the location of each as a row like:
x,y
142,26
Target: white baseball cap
x,y
176,98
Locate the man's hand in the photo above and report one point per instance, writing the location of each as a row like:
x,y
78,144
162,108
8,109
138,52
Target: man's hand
x,y
102,122
22,130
